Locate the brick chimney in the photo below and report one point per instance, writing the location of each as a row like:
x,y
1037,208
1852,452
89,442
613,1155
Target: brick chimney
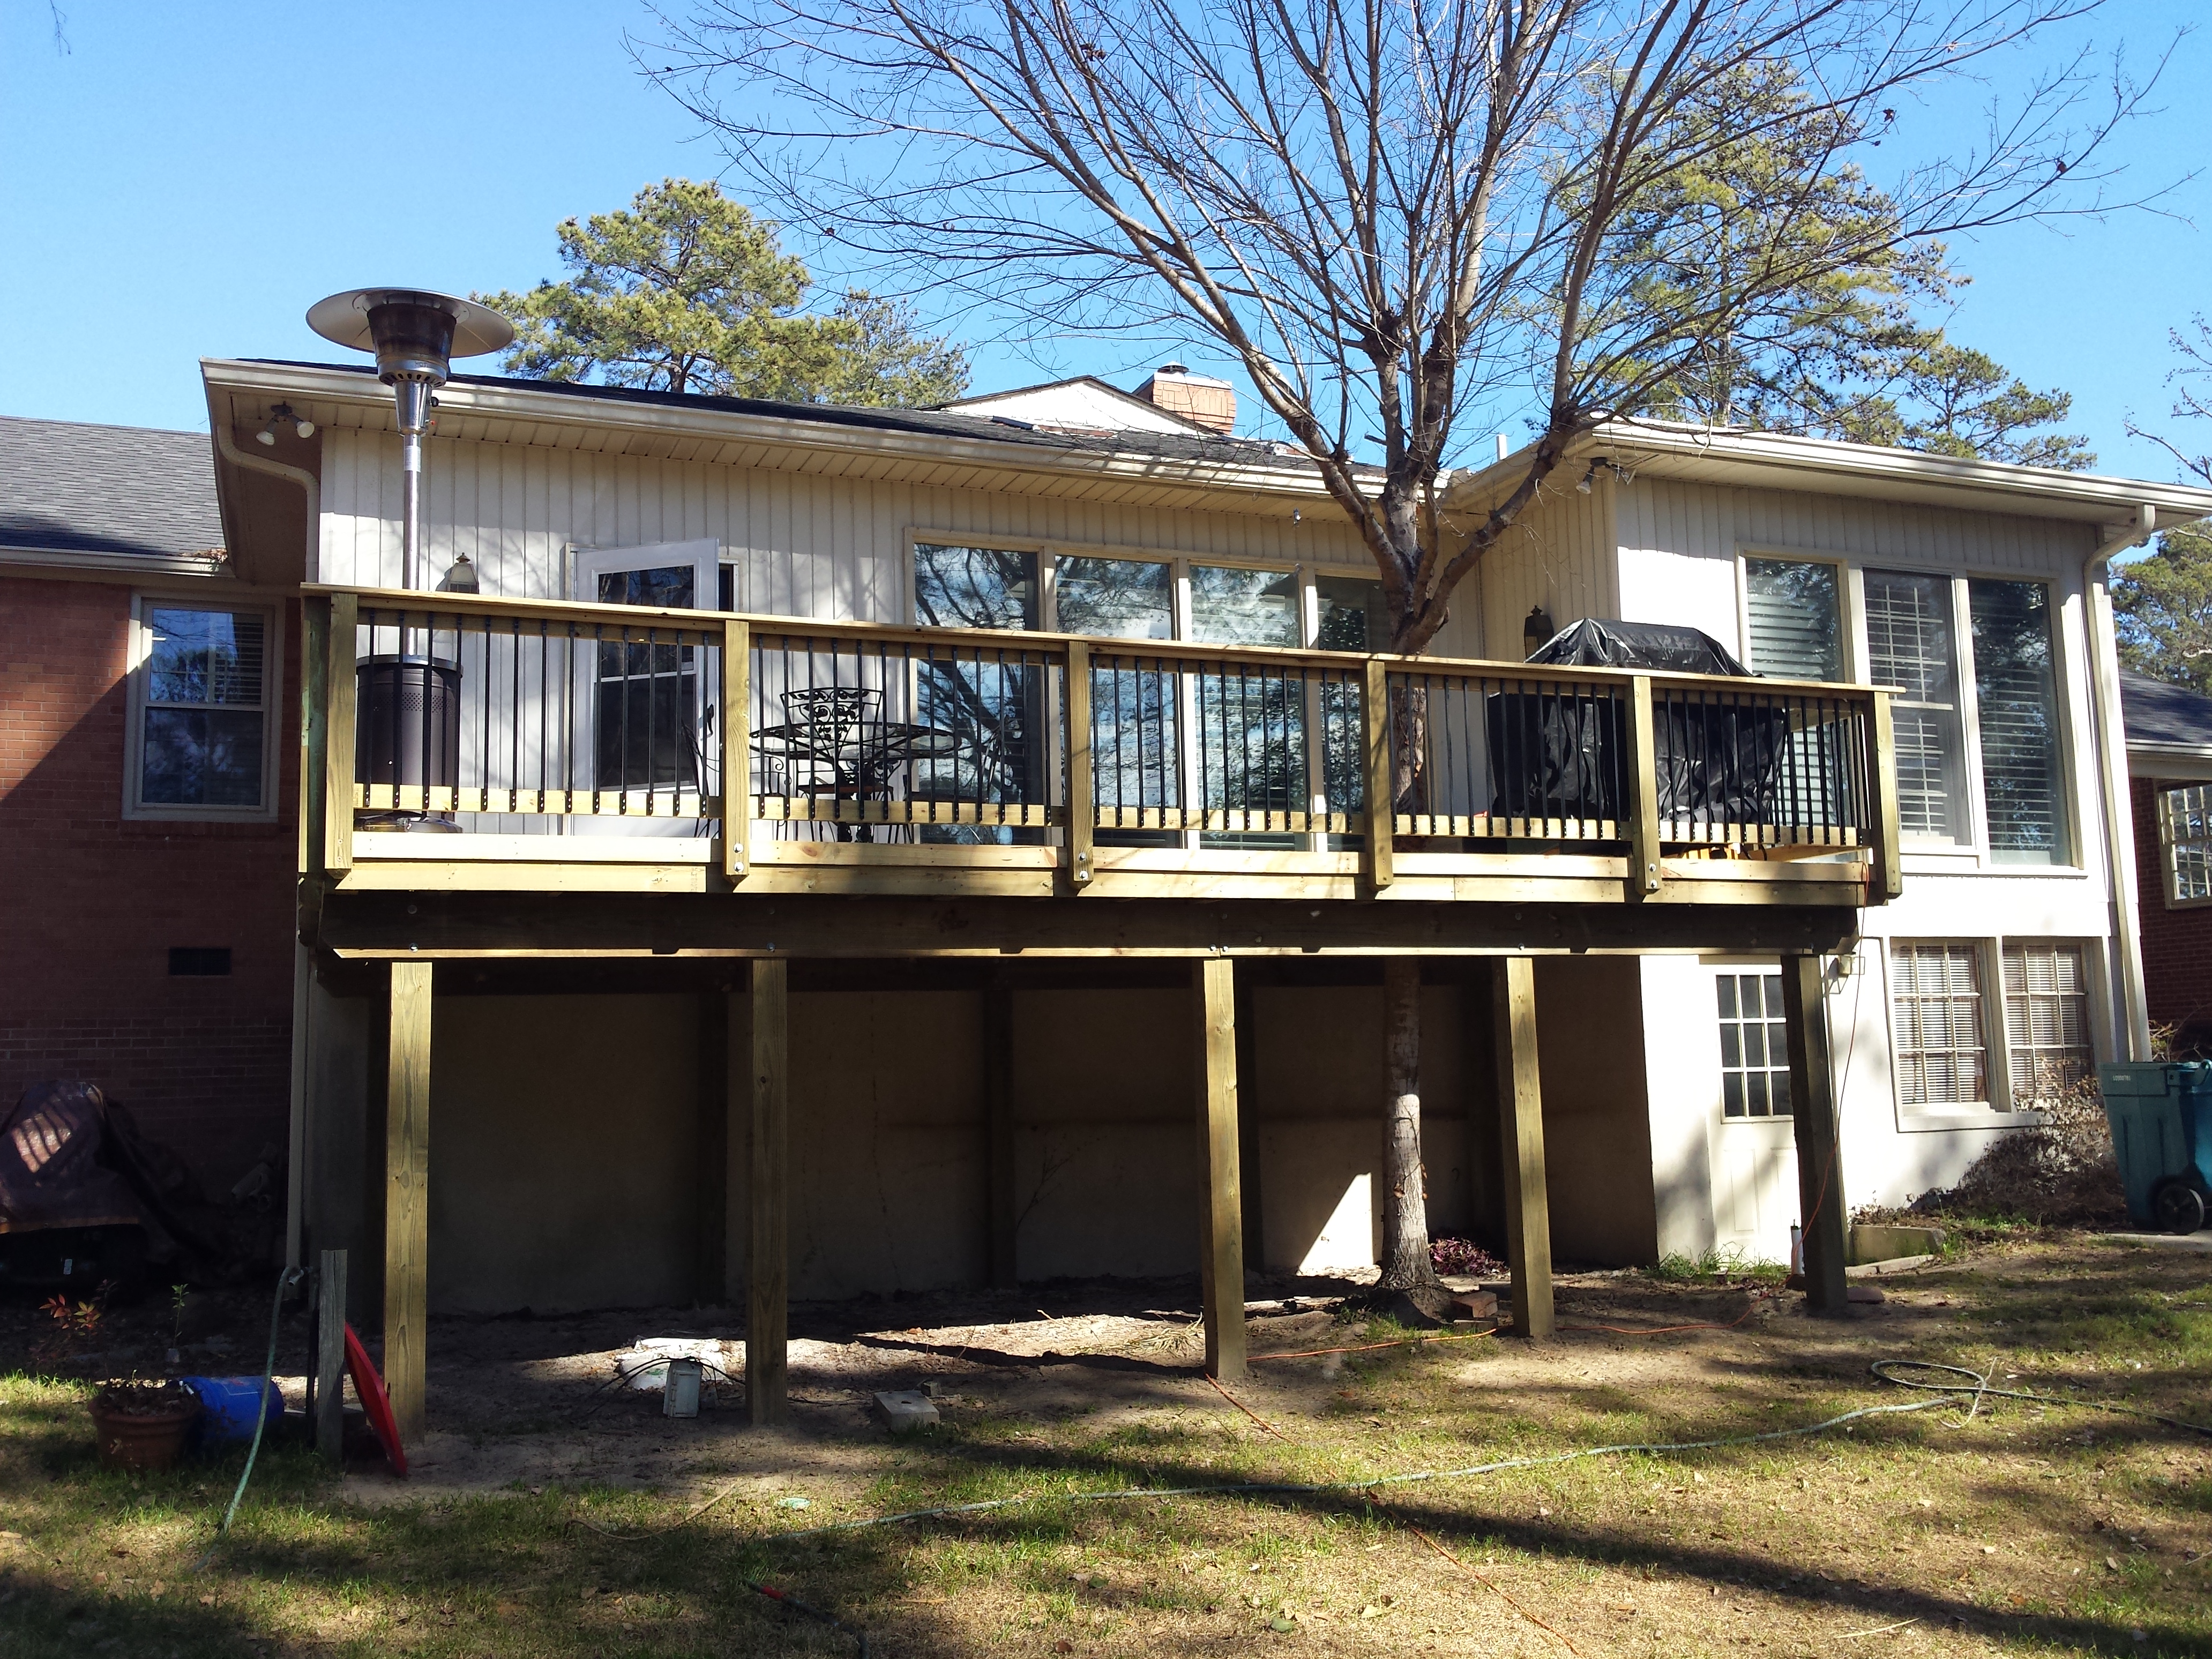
x,y
1199,397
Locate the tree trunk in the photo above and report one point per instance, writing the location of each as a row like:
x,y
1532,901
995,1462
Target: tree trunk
x,y
1406,1264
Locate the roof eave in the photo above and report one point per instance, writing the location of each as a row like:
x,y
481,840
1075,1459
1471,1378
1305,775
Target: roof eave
x,y
1822,466
513,413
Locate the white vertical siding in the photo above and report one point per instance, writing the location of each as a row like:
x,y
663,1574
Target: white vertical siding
x,y
826,547
1559,554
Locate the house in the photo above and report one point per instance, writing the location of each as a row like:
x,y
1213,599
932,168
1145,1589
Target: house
x,y
147,783
2169,731
1052,935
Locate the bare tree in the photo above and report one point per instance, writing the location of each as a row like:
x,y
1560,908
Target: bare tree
x,y
2192,381
1394,214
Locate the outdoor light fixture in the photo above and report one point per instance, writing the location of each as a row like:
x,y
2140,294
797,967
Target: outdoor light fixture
x,y
281,414
1583,483
460,577
415,335
1535,632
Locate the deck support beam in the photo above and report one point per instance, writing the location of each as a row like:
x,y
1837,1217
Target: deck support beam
x,y
1521,1127
768,1299
407,1199
711,1166
1814,1117
1003,1218
1222,1247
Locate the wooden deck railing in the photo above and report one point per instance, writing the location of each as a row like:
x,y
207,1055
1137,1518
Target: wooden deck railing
x,y
623,733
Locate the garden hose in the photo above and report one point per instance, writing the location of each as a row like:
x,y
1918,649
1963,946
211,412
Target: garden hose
x,y
285,1280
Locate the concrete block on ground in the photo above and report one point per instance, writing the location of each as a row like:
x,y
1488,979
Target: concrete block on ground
x,y
1870,1242
907,1408
1475,1303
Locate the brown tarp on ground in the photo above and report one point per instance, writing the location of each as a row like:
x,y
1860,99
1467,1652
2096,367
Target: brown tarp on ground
x,y
71,1158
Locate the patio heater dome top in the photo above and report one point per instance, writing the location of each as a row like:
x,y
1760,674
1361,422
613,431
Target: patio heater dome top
x,y
414,333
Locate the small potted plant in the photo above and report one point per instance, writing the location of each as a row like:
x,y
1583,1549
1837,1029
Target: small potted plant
x,y
142,1425
139,1424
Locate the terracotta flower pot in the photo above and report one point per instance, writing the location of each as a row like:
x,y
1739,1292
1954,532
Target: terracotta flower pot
x,y
142,1432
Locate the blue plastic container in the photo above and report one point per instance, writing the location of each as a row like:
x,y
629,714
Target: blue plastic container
x,y
227,1406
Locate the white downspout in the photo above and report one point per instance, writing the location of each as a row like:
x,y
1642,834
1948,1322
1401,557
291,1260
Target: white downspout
x,y
295,1173
2111,747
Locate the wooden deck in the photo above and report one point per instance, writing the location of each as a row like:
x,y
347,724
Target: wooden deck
x,y
995,792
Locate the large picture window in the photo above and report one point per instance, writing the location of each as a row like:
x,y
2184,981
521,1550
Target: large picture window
x,y
2017,701
996,708
1910,647
204,693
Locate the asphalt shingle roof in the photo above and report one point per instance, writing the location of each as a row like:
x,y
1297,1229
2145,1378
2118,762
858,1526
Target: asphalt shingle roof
x,y
67,487
2158,711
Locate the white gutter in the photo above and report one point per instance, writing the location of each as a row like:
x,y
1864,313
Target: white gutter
x,y
295,1173
2110,744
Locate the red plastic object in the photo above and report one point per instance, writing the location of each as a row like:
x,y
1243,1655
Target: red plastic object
x,y
373,1400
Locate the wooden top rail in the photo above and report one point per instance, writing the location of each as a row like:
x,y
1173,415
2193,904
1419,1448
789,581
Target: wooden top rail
x,y
1053,647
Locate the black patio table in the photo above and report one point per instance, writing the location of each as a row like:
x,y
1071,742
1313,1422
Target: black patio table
x,y
860,754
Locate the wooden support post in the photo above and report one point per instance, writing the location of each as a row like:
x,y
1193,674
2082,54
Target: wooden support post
x,y
1814,1117
736,746
314,732
1521,1126
767,1302
1382,793
1642,803
1248,1115
1002,1216
1222,1251
1886,874
710,1167
407,1198
338,738
1082,786
329,1357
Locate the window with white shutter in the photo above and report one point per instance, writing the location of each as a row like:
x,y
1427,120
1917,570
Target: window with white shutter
x,y
2016,705
2046,995
1935,997
1910,647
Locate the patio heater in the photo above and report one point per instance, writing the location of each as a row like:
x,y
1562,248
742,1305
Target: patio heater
x,y
409,703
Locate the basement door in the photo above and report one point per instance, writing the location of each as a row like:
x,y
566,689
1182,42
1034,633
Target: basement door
x,y
648,731
1754,1154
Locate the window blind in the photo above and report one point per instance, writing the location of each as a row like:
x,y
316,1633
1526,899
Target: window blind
x,y
2046,1019
1909,646
2017,715
1794,619
1936,993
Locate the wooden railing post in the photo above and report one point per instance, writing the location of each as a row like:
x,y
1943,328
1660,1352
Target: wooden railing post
x,y
1886,865
338,738
314,731
1642,803
1081,787
1382,797
737,747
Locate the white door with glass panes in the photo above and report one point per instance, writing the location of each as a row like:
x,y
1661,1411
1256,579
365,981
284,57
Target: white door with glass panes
x,y
1754,1154
645,737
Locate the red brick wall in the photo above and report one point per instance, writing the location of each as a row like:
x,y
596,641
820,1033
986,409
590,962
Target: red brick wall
x,y
2177,944
90,904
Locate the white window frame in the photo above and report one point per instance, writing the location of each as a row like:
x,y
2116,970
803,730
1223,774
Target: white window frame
x,y
2169,871
1945,1114
1975,847
2000,1078
143,602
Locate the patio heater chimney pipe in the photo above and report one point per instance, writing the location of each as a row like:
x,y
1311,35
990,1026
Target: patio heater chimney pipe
x,y
415,335
2111,749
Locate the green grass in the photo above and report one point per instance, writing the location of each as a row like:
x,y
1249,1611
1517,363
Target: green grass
x,y
1729,1265
2007,1523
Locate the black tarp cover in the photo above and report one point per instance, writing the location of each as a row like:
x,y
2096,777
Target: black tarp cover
x,y
1562,753
1608,642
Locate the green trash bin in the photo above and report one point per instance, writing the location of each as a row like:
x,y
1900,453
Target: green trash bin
x,y
2161,1119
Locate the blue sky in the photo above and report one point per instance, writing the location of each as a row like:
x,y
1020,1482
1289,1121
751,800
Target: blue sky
x,y
185,180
